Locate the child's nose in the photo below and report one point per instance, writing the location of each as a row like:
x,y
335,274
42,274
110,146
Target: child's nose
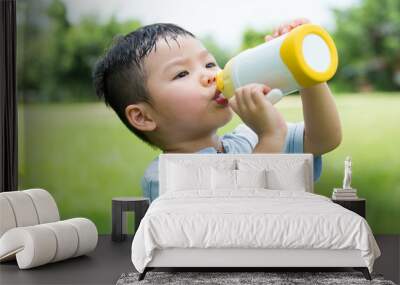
x,y
209,79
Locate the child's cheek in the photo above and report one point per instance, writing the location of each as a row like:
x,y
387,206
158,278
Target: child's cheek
x,y
187,106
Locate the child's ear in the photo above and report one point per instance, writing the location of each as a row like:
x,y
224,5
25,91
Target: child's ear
x,y
139,117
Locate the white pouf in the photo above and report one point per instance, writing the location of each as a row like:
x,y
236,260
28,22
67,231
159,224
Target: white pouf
x,y
31,233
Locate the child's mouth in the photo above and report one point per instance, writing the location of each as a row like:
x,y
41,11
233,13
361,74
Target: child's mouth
x,y
220,99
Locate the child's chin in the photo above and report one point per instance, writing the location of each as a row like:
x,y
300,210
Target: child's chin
x,y
225,117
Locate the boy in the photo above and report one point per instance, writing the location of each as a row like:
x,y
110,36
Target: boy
x,y
160,80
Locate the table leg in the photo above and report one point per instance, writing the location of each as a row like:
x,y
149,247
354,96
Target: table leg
x,y
117,222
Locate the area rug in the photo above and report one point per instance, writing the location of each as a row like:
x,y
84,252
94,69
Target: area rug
x,y
230,278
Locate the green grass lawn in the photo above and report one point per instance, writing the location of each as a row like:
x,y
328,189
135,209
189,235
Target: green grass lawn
x,y
84,156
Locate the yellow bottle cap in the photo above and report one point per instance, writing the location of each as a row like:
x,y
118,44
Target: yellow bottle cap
x,y
294,56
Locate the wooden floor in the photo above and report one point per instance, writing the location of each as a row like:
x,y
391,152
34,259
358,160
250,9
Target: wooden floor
x,y
111,259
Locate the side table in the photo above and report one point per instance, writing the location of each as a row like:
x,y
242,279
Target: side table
x,y
120,205
356,205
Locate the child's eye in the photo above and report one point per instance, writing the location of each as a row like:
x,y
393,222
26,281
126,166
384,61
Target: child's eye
x,y
210,64
181,74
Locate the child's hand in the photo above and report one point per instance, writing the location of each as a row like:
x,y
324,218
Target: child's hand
x,y
285,28
258,113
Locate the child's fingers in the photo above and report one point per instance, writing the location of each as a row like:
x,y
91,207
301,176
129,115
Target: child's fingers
x,y
287,27
268,38
258,91
233,104
299,21
284,28
303,21
262,91
293,24
247,98
239,99
275,33
278,31
266,89
258,98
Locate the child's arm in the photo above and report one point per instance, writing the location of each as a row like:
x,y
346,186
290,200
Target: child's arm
x,y
269,145
322,128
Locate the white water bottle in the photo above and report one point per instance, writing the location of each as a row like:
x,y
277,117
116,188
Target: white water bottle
x,y
301,58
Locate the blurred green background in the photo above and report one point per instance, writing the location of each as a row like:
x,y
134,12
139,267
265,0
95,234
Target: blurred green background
x,y
76,148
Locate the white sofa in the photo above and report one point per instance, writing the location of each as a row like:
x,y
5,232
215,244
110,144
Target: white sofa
x,y
31,231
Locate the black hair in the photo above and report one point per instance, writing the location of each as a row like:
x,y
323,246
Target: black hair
x,y
119,76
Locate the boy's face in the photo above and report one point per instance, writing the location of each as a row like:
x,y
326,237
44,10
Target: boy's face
x,y
181,82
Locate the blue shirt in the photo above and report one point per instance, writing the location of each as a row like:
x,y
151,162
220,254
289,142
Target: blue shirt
x,y
242,140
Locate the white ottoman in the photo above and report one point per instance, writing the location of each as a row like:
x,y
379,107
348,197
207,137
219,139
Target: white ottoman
x,y
31,232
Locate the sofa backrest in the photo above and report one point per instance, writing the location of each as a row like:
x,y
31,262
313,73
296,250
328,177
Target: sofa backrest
x,y
280,163
26,208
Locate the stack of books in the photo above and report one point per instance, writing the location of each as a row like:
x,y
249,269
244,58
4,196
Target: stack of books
x,y
344,194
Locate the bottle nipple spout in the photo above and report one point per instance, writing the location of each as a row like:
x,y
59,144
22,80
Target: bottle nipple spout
x,y
220,81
